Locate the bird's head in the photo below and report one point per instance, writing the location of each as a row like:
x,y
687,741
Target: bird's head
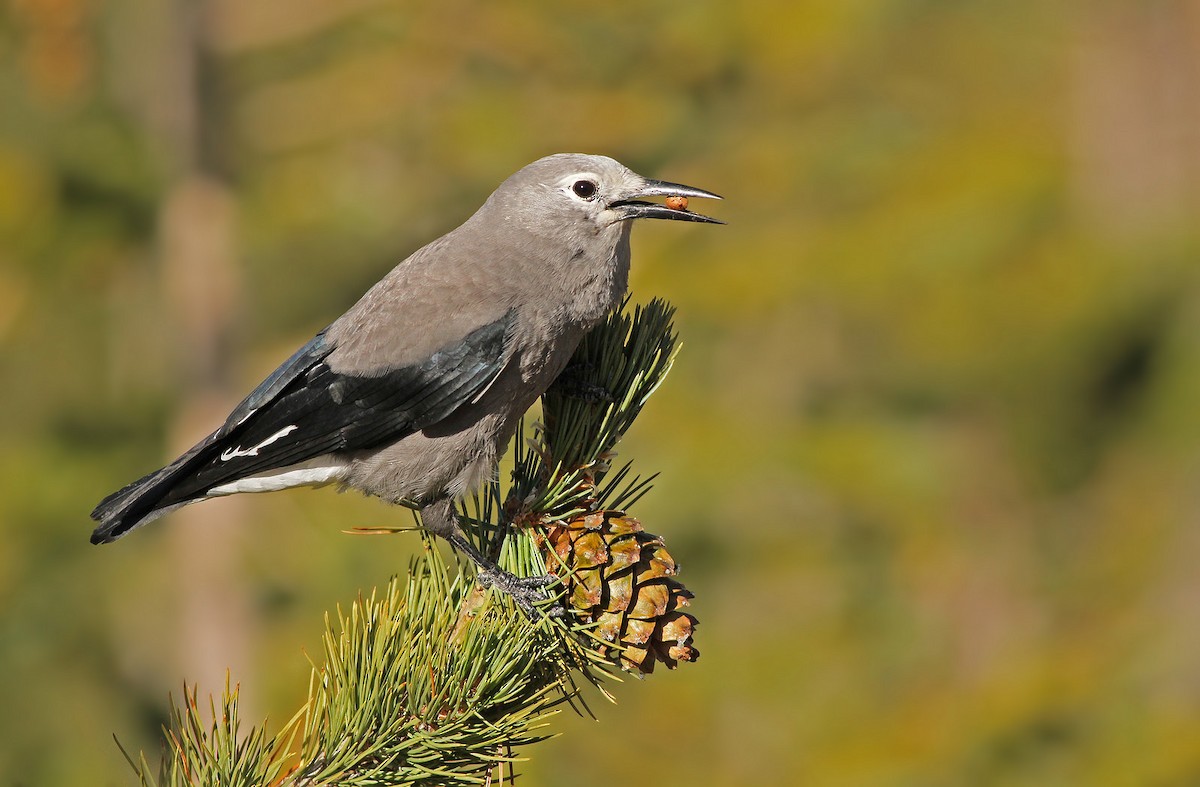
x,y
592,194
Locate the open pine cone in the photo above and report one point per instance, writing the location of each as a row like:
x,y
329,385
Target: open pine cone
x,y
621,579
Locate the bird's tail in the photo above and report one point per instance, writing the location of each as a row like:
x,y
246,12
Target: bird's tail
x,y
147,498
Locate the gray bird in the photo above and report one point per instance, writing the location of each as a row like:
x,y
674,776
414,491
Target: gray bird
x,y
411,395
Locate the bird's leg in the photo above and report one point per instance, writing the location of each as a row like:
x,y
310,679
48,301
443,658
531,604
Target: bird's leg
x,y
440,519
573,382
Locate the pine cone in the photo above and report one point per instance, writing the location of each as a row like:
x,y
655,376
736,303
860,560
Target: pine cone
x,y
620,580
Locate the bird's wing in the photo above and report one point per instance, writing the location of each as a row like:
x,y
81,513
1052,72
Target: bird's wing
x,y
305,410
277,382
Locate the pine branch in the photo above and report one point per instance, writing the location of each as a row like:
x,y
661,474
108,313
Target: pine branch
x,y
436,680
408,696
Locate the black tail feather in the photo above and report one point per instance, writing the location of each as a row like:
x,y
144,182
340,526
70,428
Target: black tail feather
x,y
149,497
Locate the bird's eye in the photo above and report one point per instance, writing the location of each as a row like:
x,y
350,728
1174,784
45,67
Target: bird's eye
x,y
584,188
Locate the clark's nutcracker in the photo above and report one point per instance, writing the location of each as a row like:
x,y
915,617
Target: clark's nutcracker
x,y
412,394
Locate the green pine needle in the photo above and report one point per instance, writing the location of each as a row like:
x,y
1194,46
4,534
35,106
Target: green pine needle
x,y
424,684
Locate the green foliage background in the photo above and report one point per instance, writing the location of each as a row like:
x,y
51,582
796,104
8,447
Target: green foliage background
x,y
929,452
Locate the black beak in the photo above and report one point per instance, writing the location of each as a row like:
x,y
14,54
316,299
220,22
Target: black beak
x,y
631,208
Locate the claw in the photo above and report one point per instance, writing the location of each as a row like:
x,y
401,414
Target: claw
x,y
573,383
529,593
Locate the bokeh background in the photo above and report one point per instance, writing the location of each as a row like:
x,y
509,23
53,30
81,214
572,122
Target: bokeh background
x,y
929,456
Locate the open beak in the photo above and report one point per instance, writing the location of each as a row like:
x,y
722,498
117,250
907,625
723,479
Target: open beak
x,y
632,208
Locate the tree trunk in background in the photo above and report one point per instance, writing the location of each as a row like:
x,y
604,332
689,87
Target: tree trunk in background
x,y
1136,84
201,286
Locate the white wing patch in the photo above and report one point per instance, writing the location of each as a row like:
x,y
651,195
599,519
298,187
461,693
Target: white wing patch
x,y
234,453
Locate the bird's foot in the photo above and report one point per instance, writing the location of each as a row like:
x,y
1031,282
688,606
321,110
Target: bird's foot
x,y
531,594
573,383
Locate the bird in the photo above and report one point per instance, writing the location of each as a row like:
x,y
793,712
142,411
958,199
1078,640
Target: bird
x,y
413,393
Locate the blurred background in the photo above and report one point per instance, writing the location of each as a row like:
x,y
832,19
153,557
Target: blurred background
x,y
929,454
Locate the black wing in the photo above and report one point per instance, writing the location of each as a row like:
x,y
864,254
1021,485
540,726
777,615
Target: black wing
x,y
304,410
